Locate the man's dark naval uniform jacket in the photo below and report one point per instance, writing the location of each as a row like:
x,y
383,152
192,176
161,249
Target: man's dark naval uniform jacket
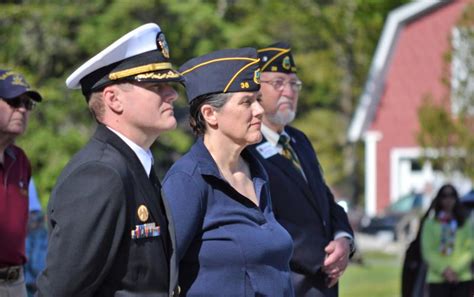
x,y
306,209
91,213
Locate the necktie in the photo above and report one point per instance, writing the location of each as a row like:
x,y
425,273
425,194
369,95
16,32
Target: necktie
x,y
289,153
154,179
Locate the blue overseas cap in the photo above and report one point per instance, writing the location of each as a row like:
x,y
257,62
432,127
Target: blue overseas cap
x,y
223,71
141,55
277,58
13,84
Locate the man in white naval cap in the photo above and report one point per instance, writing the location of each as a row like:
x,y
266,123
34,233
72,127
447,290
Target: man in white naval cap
x,y
110,233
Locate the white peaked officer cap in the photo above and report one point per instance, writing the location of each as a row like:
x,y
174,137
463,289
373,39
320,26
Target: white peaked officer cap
x,y
141,55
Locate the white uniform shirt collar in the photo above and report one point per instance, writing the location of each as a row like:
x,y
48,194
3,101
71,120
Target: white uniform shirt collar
x,y
145,156
272,136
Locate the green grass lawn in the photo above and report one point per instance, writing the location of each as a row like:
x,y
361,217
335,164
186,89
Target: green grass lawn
x,y
379,276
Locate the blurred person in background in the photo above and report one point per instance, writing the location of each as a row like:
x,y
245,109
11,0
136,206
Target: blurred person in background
x,y
36,241
447,246
16,102
468,202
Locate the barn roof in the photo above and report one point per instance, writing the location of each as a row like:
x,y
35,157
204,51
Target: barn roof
x,y
369,99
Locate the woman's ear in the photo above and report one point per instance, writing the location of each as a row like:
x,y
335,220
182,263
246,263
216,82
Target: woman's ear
x,y
209,115
112,98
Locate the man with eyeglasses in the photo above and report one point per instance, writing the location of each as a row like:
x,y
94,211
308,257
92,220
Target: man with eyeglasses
x,y
16,102
302,202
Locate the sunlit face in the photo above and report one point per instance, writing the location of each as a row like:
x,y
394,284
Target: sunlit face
x,y
240,118
280,104
13,120
148,107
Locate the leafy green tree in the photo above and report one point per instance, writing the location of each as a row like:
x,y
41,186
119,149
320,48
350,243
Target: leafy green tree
x,y
333,42
449,130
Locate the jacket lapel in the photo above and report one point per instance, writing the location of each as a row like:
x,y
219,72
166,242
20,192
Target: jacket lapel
x,y
149,192
294,176
173,259
315,183
288,168
138,172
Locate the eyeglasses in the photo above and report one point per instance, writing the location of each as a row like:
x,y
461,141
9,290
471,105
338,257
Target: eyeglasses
x,y
279,84
18,102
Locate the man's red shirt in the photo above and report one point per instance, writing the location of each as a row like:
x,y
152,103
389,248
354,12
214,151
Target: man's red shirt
x,y
15,175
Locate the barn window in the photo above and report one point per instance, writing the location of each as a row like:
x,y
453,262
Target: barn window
x,y
416,165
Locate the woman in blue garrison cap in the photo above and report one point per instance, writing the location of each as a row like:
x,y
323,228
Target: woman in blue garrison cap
x,y
228,241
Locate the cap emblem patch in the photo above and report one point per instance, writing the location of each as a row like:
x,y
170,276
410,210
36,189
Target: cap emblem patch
x,y
286,64
16,79
256,76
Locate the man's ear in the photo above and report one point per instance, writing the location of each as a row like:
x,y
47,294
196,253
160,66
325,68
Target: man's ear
x,y
209,115
111,97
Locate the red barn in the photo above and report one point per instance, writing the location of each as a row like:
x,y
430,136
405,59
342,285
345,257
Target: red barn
x,y
409,64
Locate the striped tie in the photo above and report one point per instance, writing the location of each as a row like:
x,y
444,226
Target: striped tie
x,y
289,153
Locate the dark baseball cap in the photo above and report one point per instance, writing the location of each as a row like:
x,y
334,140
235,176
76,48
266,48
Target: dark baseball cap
x,y
13,84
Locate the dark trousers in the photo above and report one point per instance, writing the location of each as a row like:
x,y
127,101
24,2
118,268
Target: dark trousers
x,y
450,290
312,286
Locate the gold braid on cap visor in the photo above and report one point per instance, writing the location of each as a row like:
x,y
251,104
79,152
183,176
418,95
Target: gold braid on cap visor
x,y
138,70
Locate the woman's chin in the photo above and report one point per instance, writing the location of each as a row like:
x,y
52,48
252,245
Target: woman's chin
x,y
255,138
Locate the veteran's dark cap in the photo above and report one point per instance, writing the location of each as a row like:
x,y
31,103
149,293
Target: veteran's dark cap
x,y
223,71
13,84
277,58
141,55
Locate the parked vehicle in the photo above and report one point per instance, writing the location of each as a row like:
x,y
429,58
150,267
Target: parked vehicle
x,y
399,220
468,200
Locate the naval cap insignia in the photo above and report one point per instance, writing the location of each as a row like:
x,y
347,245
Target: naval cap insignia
x,y
163,45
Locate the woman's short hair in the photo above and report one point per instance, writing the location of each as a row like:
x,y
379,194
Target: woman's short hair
x,y
196,120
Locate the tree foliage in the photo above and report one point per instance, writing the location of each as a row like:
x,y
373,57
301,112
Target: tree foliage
x,y
447,129
333,42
